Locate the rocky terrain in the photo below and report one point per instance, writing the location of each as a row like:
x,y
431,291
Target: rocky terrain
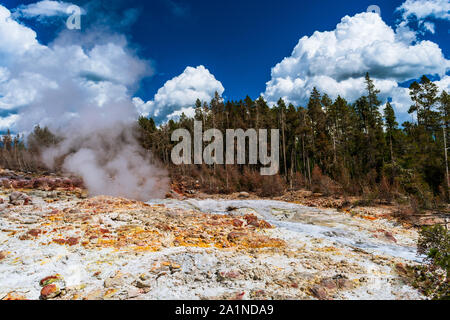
x,y
56,243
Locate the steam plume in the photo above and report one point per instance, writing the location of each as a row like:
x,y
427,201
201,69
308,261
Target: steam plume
x,y
80,86
111,162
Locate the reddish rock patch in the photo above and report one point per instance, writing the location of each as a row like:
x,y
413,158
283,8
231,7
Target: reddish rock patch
x,y
3,255
50,291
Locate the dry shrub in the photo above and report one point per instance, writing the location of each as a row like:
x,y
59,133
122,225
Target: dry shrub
x,y
405,213
272,186
298,181
20,160
322,183
213,184
343,176
385,190
232,179
371,178
228,179
250,180
443,196
414,204
216,180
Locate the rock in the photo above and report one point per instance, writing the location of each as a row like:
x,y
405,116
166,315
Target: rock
x,y
6,183
238,296
390,237
113,282
253,220
110,282
133,293
342,282
329,284
244,195
237,223
96,294
258,293
66,183
34,232
229,275
52,195
30,234
316,195
50,291
48,280
233,236
174,268
112,294
158,270
3,255
144,277
124,217
56,279
18,198
142,284
72,241
319,292
174,195
400,267
14,296
59,241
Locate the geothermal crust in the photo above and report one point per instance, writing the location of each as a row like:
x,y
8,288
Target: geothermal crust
x,y
55,243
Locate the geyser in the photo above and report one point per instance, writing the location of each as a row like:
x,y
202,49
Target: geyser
x,y
111,162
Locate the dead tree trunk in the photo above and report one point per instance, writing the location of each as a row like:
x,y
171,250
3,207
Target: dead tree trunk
x,y
446,161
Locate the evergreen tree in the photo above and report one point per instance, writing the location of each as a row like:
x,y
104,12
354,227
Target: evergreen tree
x,y
391,127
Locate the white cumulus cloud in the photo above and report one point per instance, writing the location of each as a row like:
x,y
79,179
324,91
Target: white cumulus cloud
x,y
43,9
14,37
7,122
81,88
444,84
336,61
179,94
55,83
422,9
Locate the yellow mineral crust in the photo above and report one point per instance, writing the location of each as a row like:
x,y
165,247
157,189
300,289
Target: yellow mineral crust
x,y
108,222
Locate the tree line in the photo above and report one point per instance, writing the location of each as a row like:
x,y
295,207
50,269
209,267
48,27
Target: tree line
x,y
327,146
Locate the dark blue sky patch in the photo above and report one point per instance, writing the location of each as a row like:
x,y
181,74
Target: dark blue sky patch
x,y
238,41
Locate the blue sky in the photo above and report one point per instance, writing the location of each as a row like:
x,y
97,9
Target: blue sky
x,y
238,42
